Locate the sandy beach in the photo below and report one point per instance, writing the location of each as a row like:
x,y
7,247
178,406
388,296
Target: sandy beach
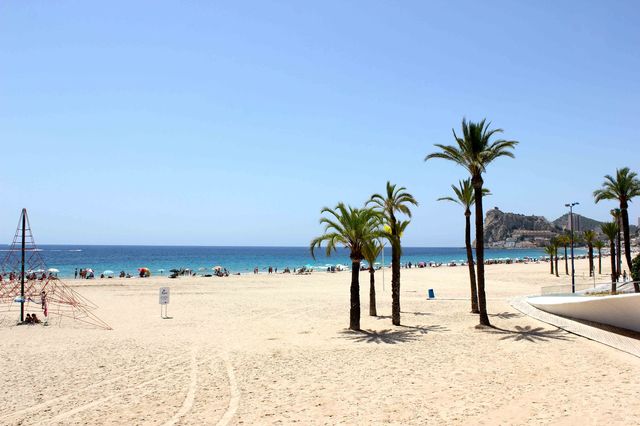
x,y
274,349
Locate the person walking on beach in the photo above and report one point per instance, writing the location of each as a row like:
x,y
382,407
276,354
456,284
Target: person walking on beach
x,y
75,275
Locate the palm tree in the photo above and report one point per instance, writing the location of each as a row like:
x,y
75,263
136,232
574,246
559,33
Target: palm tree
x,y
624,187
550,250
599,245
464,196
589,238
352,228
475,151
564,240
617,218
610,229
396,200
371,250
556,245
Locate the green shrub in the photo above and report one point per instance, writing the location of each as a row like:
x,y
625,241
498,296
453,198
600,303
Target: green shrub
x,y
635,268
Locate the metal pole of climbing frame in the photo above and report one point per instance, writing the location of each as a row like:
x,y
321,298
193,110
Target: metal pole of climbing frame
x,y
24,231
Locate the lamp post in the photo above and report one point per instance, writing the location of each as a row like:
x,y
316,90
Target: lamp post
x,y
573,271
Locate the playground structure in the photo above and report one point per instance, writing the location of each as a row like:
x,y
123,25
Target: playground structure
x,y
26,281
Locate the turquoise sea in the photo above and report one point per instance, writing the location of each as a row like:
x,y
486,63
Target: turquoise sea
x,y
200,259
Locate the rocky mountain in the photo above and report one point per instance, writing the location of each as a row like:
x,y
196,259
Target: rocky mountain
x,y
513,230
499,226
582,223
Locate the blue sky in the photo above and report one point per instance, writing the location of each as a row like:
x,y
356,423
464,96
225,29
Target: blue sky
x,y
233,123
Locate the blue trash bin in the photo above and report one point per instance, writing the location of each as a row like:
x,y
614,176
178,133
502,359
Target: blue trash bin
x,y
432,294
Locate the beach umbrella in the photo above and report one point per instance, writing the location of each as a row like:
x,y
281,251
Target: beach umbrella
x,y
53,270
143,269
217,268
89,270
108,273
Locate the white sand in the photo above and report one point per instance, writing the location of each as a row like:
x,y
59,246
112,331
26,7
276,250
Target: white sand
x,y
274,349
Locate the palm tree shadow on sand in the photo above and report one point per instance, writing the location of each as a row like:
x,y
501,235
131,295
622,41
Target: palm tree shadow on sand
x,y
418,314
391,337
529,334
506,315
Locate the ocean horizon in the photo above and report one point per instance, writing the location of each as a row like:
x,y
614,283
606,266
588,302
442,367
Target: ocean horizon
x,y
202,259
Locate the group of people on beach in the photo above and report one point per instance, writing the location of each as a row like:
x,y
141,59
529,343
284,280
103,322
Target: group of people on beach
x,y
32,319
85,274
272,270
28,276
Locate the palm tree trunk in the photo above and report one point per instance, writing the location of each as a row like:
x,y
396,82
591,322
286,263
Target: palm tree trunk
x,y
590,259
372,292
557,275
614,261
619,252
614,277
627,241
482,299
566,261
395,283
599,262
354,313
551,263
472,270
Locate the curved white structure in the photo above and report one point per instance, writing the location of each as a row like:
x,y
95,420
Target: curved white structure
x,y
620,311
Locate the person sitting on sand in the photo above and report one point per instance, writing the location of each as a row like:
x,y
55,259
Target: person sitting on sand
x,y
28,319
34,319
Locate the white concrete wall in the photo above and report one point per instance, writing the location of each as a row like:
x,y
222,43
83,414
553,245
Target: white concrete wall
x,y
621,311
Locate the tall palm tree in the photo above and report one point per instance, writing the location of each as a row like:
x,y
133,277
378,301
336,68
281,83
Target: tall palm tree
x,y
589,238
555,252
352,228
371,251
396,200
474,151
564,240
617,218
610,229
464,197
599,245
624,187
550,250
555,244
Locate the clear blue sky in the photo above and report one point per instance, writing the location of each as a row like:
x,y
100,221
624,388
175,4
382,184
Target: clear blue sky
x,y
233,123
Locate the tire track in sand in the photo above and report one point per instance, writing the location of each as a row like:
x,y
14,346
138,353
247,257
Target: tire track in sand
x,y
191,392
121,376
234,391
67,414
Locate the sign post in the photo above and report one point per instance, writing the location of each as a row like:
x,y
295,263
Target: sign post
x,y
164,300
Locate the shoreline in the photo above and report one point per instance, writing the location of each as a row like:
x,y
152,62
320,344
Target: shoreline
x,y
202,259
